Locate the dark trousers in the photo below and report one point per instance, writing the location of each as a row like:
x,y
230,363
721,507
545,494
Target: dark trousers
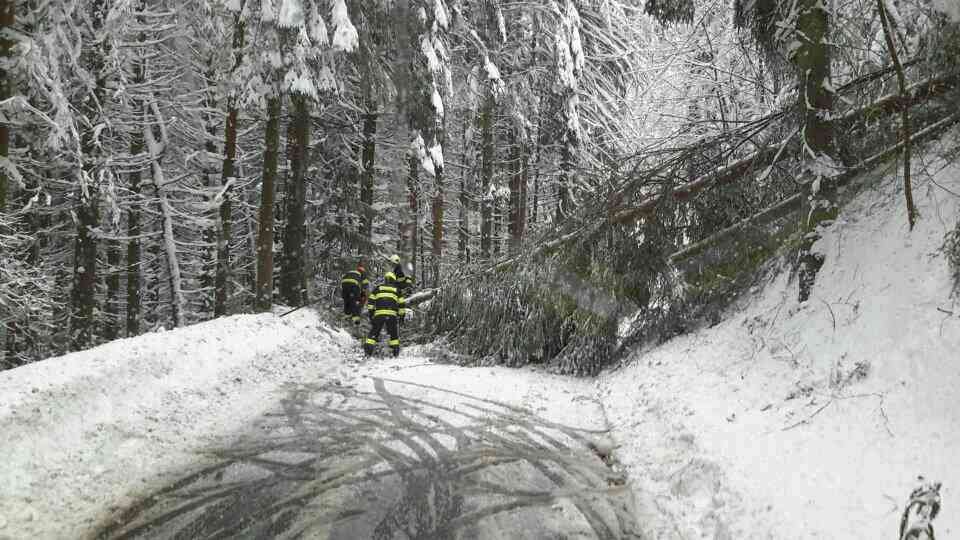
x,y
381,322
351,303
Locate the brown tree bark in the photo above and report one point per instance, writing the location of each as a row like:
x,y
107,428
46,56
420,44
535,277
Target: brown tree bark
x,y
225,234
293,273
264,287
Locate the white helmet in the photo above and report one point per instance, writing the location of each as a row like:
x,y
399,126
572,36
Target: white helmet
x,y
395,259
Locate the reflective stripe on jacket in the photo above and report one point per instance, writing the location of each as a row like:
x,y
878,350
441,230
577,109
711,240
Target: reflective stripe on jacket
x,y
355,277
386,300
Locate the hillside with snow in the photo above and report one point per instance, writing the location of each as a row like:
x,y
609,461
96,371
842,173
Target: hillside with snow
x,y
811,420
784,421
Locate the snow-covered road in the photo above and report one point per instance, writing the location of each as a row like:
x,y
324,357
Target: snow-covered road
x,y
255,424
389,454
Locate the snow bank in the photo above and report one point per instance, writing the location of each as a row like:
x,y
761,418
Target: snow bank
x,y
810,421
85,431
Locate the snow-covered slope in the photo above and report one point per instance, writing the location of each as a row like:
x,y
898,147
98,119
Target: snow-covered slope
x,y
83,431
810,421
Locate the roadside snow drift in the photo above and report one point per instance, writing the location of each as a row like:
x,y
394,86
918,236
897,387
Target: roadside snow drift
x,y
810,421
83,432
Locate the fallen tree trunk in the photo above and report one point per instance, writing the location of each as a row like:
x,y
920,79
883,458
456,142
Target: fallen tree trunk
x,y
919,93
421,297
156,151
792,203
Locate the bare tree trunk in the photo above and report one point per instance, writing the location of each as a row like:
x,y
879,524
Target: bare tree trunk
x,y
437,216
292,278
413,192
209,271
487,148
463,225
497,226
134,250
368,161
85,274
222,279
7,14
173,264
813,60
264,287
463,228
83,298
912,213
535,218
156,150
564,201
518,192
111,305
134,299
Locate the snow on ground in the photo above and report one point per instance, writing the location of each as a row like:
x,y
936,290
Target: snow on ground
x,y
89,433
551,397
782,421
810,421
84,432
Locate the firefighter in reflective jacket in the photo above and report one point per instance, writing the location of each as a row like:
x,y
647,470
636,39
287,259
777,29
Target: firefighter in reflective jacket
x,y
385,305
354,290
404,282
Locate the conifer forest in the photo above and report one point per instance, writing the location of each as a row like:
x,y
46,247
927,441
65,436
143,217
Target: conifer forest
x,y
554,173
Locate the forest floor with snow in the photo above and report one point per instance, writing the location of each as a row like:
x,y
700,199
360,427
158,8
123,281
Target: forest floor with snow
x,y
783,421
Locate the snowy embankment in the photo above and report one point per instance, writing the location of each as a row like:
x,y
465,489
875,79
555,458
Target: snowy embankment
x,y
810,421
84,432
